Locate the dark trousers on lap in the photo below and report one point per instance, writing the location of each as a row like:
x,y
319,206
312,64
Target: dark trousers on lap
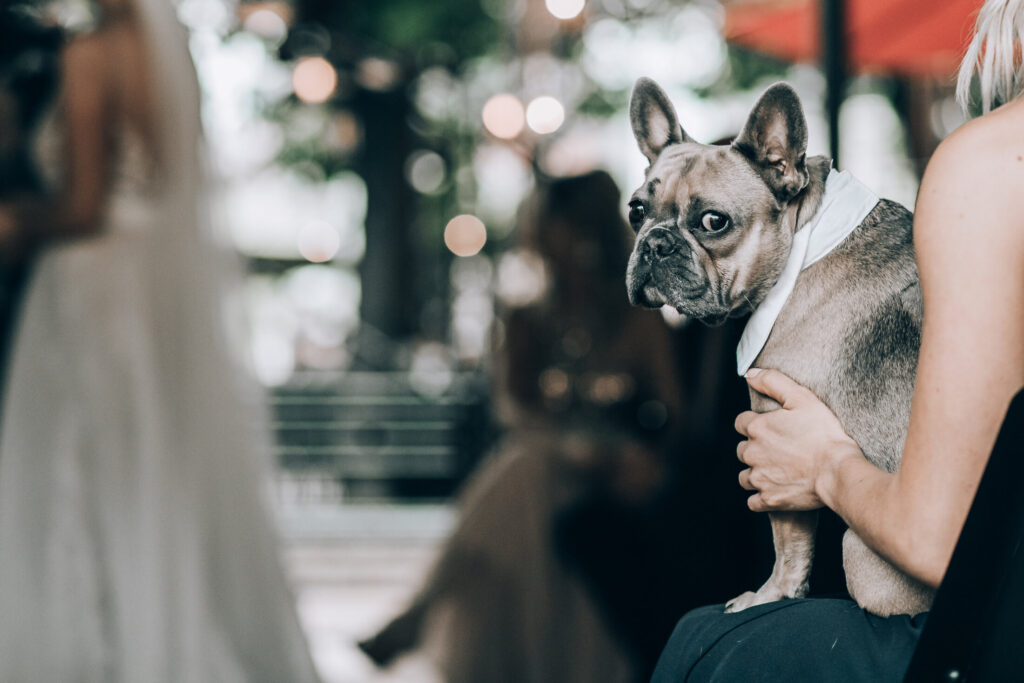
x,y
814,639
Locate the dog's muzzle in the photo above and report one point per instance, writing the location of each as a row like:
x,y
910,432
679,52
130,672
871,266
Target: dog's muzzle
x,y
652,249
638,283
659,243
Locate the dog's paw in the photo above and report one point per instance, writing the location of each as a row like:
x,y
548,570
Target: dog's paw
x,y
766,593
742,602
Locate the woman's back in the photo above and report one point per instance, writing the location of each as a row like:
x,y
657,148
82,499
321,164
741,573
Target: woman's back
x,y
106,78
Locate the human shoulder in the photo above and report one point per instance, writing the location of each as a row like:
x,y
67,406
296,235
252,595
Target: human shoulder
x,y
984,154
83,67
84,52
975,181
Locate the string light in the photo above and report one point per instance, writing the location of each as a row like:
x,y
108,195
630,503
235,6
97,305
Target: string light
x,y
318,242
565,9
267,24
425,171
503,116
314,80
465,235
545,114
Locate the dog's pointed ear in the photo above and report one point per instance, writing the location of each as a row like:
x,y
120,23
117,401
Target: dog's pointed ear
x,y
654,120
775,140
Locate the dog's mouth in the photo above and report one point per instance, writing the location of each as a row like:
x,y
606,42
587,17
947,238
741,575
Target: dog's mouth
x,y
644,290
689,303
647,295
662,283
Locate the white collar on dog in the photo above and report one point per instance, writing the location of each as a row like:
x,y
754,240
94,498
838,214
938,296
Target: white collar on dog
x,y
844,206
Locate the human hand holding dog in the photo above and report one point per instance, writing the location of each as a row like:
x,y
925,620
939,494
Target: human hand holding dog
x,y
791,452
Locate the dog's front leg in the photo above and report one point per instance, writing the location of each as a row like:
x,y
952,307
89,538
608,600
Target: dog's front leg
x,y
793,536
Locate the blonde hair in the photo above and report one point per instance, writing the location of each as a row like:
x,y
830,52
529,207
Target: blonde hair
x,y
994,54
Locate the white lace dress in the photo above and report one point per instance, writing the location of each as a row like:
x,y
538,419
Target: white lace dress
x,y
136,542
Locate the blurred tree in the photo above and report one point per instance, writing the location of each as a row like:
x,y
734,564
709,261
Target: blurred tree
x,y
378,50
383,53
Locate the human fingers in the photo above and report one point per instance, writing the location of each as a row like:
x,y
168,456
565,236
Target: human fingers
x,y
776,385
740,448
742,423
744,478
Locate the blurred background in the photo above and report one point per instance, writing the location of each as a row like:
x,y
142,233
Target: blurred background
x,y
371,161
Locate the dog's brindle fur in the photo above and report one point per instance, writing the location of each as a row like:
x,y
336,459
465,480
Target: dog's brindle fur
x,y
849,332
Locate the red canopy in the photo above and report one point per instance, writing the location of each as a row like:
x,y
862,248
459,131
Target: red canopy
x,y
910,37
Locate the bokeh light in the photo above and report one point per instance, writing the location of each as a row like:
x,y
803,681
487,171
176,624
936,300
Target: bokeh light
x,y
267,24
503,116
198,15
345,133
425,171
318,241
273,356
502,176
522,278
565,9
545,114
430,371
374,73
472,309
314,80
680,49
465,235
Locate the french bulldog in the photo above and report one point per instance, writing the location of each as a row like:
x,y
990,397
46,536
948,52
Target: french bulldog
x,y
715,225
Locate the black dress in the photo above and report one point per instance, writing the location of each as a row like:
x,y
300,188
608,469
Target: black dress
x,y
973,630
811,639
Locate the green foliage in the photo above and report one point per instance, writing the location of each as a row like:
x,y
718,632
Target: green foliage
x,y
602,103
746,70
410,25
308,154
313,161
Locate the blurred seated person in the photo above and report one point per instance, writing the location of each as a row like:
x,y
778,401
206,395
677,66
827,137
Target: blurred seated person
x,y
586,391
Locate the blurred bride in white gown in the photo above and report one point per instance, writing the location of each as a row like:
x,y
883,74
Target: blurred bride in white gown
x,y
136,542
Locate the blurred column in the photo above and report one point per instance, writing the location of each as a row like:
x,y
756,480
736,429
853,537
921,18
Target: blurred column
x,y
390,302
378,96
834,56
917,98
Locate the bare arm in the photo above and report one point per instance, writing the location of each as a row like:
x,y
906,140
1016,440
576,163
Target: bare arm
x,y
969,237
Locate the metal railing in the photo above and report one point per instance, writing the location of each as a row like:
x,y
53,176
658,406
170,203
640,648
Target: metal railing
x,y
373,431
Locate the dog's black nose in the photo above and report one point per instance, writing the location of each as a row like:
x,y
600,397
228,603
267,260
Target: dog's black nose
x,y
660,242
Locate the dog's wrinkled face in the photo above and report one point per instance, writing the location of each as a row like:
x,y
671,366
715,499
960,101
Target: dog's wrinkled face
x,y
712,231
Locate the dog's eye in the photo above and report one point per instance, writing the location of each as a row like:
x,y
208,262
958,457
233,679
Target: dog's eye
x,y
637,213
712,221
